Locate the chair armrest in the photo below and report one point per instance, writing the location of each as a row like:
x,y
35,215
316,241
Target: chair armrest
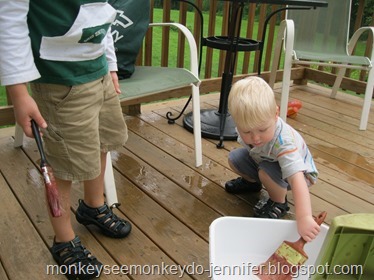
x,y
353,41
190,40
285,38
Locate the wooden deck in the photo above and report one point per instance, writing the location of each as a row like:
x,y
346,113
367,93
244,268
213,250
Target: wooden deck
x,y
169,202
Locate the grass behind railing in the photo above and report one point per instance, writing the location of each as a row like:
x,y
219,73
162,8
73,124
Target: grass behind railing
x,y
173,43
3,99
173,47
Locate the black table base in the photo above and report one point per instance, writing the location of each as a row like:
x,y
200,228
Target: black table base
x,y
218,124
210,125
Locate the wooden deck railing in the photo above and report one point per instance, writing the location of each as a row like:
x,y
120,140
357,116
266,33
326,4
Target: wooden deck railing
x,y
252,27
215,23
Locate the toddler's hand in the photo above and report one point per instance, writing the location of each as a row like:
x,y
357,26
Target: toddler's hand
x,y
308,228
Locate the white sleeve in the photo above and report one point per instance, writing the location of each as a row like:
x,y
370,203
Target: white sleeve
x,y
16,58
110,52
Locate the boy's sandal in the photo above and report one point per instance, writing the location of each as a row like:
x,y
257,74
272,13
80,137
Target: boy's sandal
x,y
264,205
271,210
78,262
104,218
259,206
240,185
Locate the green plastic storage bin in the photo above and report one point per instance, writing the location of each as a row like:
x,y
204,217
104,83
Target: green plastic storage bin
x,y
348,249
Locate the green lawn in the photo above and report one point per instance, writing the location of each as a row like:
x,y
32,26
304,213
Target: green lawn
x,y
3,100
174,35
173,48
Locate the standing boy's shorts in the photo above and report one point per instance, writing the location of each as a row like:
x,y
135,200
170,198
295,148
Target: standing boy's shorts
x,y
83,121
245,164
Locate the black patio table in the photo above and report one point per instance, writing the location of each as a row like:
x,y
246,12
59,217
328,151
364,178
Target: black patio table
x,y
219,124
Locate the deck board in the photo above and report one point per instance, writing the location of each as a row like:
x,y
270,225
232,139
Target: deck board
x,y
169,201
19,237
153,220
2,272
202,183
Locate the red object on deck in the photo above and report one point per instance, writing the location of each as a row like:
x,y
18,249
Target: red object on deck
x,y
293,107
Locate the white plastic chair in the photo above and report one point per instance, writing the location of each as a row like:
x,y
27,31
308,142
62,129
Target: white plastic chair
x,y
149,80
320,37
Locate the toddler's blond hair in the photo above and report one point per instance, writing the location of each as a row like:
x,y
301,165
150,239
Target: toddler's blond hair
x,y
251,103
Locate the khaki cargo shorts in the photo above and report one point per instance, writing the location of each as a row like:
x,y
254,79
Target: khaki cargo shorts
x,y
83,121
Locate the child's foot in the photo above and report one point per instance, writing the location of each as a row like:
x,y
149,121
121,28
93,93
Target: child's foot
x,y
240,185
76,260
271,209
104,218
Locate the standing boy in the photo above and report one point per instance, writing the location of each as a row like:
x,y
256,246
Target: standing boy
x,y
64,51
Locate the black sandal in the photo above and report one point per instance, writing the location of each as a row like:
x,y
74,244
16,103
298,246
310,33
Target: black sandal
x,y
104,218
240,185
271,209
78,262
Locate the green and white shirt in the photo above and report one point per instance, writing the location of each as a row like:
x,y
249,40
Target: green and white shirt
x,y
61,42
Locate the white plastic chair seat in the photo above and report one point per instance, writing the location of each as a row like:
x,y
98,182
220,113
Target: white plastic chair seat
x,y
157,80
352,59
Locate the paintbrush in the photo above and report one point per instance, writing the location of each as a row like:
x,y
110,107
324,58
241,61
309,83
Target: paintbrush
x,y
52,195
287,259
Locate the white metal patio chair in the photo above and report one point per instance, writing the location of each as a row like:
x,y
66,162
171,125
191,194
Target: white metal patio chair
x,y
320,37
147,81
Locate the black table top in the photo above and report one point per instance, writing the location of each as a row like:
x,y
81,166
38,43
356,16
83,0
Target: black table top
x,y
313,3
